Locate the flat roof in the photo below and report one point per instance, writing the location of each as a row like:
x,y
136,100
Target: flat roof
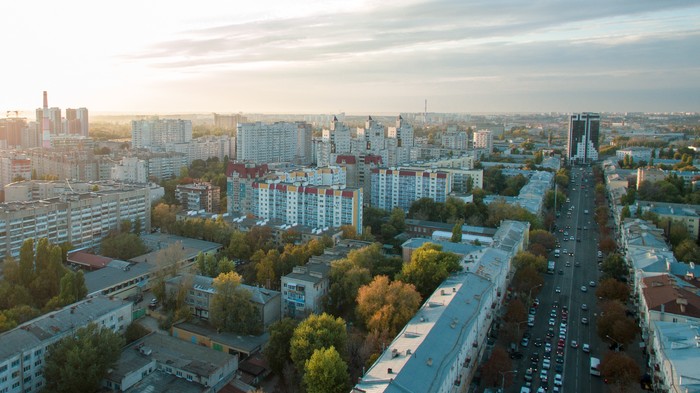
x,y
112,275
437,332
46,327
677,341
245,344
457,248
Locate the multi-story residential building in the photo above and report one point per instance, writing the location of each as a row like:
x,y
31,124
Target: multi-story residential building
x,y
454,139
685,215
583,143
157,133
277,142
198,298
371,138
76,164
24,348
12,130
399,187
13,167
83,120
205,148
317,176
303,289
199,196
673,356
72,141
130,170
81,218
335,140
637,154
239,185
163,166
401,141
313,206
483,139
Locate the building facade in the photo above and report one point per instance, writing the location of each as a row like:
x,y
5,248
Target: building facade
x,y
583,142
277,142
483,139
199,196
130,170
157,133
24,348
399,188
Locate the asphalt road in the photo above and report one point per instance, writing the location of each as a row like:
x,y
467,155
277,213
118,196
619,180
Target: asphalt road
x,y
576,367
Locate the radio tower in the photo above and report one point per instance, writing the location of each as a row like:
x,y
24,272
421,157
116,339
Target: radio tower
x,y
45,124
425,112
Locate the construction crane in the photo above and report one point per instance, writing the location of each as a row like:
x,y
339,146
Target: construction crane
x,y
7,114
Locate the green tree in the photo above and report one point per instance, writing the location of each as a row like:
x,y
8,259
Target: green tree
x,y
326,372
429,266
77,363
525,258
134,332
386,306
687,251
26,263
231,309
346,278
277,349
614,266
625,213
316,332
457,232
122,246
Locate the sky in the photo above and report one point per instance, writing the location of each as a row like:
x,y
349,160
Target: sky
x,y
352,56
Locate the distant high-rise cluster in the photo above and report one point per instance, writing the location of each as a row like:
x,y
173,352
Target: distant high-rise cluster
x,y
583,144
50,121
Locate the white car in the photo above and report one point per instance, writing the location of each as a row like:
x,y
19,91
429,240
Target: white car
x,y
574,344
557,380
557,290
586,348
552,322
584,288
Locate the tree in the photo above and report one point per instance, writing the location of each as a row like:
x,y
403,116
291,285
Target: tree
x,y
540,236
524,258
607,245
620,370
526,280
122,246
615,324
134,332
611,289
515,312
497,363
625,213
614,266
457,232
326,372
346,278
687,251
429,266
77,363
386,306
277,349
316,332
238,247
231,309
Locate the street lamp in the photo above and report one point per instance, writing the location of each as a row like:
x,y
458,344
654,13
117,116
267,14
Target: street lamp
x,y
616,342
503,378
529,296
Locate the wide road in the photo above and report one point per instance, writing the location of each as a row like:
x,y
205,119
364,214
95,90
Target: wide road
x,y
576,367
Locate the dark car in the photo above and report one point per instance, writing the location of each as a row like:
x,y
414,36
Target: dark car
x,y
535,357
561,271
516,355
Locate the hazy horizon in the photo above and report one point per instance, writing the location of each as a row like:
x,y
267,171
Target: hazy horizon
x,y
357,57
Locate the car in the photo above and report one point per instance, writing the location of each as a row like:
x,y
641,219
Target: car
x,y
558,367
536,302
561,271
541,390
528,374
545,366
153,304
592,283
543,376
574,344
565,251
562,326
584,321
585,228
560,359
584,288
577,264
561,342
533,310
525,342
552,321
537,342
548,347
535,357
531,322
566,233
516,355
557,290
557,380
553,314
586,348
555,304
584,307
578,239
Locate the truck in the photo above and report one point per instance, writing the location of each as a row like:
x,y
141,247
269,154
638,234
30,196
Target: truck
x,y
550,267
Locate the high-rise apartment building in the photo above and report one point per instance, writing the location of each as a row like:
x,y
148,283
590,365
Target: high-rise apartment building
x,y
311,206
83,119
278,142
130,170
157,133
583,144
483,139
336,140
11,130
81,218
76,121
14,166
239,185
400,188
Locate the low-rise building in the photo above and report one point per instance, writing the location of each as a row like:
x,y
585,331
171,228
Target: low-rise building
x,y
159,353
24,348
674,356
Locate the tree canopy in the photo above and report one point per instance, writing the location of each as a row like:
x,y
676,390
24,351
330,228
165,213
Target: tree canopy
x,y
429,266
78,362
620,370
326,372
230,308
316,332
386,306
277,350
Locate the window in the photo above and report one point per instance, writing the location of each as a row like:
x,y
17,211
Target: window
x,y
15,363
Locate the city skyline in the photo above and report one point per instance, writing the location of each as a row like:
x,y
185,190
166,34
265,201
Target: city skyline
x,y
353,56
